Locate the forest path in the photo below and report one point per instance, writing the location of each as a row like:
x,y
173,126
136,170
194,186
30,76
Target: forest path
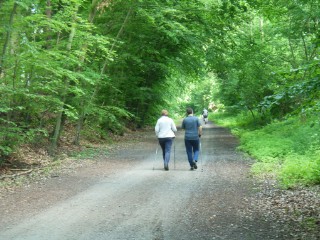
x,y
129,196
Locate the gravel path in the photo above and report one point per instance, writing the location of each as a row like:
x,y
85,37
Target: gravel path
x,y
128,195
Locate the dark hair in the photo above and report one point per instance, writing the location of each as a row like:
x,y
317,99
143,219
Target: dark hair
x,y
189,110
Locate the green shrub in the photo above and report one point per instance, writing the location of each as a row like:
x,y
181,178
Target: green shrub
x,y
288,150
265,147
10,137
300,169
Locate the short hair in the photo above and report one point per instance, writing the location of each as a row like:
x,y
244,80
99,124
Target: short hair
x,y
189,110
164,112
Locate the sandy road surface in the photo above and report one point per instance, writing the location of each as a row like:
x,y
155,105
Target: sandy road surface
x,y
122,197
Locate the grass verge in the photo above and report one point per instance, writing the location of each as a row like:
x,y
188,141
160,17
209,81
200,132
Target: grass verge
x,y
288,150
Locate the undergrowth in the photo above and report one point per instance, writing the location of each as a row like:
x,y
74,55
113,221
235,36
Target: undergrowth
x,y
289,149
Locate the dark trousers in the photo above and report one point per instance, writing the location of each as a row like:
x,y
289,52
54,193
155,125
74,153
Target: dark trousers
x,y
192,148
166,144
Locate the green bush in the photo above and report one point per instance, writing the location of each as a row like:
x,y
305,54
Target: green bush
x,y
243,120
288,150
10,137
300,169
265,147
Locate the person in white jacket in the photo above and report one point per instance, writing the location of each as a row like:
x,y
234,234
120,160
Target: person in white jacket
x,y
165,129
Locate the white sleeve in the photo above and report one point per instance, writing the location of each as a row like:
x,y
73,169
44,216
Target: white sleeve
x,y
157,128
173,126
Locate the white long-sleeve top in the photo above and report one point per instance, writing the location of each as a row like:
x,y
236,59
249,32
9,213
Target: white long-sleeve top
x,y
165,127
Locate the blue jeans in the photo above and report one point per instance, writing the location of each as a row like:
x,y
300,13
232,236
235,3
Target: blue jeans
x,y
166,144
192,148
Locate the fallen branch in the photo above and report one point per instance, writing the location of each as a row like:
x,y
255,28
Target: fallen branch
x,y
16,175
16,169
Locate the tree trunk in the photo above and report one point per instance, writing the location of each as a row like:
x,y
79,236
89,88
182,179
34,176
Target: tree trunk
x,y
79,127
261,30
251,111
103,69
5,52
114,42
54,140
293,62
57,129
48,29
7,40
305,46
83,105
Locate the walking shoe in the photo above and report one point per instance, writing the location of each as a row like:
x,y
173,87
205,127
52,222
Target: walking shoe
x,y
166,168
195,165
191,168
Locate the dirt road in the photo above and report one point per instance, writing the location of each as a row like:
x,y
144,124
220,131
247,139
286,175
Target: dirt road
x,y
129,196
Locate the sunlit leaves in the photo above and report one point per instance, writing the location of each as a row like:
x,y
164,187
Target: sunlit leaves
x,y
269,62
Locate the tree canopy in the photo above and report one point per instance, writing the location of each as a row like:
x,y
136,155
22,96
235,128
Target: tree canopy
x,y
103,65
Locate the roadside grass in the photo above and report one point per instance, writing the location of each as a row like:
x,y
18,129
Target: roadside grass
x,y
90,153
288,150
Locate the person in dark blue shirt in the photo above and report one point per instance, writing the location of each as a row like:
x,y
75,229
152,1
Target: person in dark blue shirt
x,y
193,132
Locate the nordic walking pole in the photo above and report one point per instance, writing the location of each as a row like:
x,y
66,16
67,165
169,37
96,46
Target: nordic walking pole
x,y
201,157
174,154
155,157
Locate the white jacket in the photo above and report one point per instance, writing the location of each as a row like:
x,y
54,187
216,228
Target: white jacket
x,y
165,127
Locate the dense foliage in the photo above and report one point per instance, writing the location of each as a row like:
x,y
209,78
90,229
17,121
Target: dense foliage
x,y
99,66
272,65
271,71
287,150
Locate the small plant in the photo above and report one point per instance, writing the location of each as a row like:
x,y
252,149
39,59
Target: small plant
x,y
310,223
90,153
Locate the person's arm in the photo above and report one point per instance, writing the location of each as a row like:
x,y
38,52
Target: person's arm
x,y
173,126
157,128
200,130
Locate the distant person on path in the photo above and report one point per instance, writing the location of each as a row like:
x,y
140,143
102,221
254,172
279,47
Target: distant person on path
x,y
165,129
205,115
193,132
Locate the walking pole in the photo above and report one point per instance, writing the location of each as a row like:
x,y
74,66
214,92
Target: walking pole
x,y
155,157
174,154
201,157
